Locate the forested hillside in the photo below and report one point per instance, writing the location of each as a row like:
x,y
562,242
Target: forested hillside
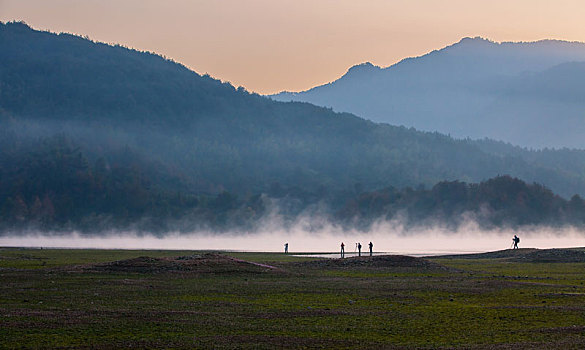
x,y
50,185
95,136
499,202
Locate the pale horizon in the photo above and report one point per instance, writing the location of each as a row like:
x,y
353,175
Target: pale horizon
x,y
271,46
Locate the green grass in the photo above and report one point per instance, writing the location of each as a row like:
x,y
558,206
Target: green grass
x,y
33,258
482,303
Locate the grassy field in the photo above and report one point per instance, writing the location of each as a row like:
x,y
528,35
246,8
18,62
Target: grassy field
x,y
115,299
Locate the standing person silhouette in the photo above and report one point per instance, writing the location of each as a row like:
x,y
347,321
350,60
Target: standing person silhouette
x,y
371,248
342,250
359,245
516,240
286,248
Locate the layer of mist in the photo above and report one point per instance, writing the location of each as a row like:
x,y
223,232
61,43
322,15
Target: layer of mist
x,y
387,237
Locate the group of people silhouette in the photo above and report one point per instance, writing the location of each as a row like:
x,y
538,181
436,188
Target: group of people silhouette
x,y
358,247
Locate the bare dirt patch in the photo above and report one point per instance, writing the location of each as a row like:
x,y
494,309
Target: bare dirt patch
x,y
204,263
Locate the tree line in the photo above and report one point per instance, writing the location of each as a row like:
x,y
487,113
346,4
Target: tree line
x,y
51,185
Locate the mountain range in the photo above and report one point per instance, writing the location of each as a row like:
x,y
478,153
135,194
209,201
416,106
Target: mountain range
x,y
92,133
531,94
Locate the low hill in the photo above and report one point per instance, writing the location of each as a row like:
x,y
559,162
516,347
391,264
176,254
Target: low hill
x,y
529,255
194,264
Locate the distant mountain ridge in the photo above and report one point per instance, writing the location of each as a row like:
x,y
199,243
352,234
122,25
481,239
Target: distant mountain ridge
x,y
514,92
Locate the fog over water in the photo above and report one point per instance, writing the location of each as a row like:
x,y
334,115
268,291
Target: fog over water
x,y
387,237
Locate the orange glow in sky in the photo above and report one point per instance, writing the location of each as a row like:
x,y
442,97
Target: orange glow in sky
x,y
272,45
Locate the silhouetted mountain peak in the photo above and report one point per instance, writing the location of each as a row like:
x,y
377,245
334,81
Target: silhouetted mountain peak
x,y
361,71
363,68
21,25
475,42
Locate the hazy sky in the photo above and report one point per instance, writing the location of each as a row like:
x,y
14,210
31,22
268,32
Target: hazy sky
x,y
273,45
